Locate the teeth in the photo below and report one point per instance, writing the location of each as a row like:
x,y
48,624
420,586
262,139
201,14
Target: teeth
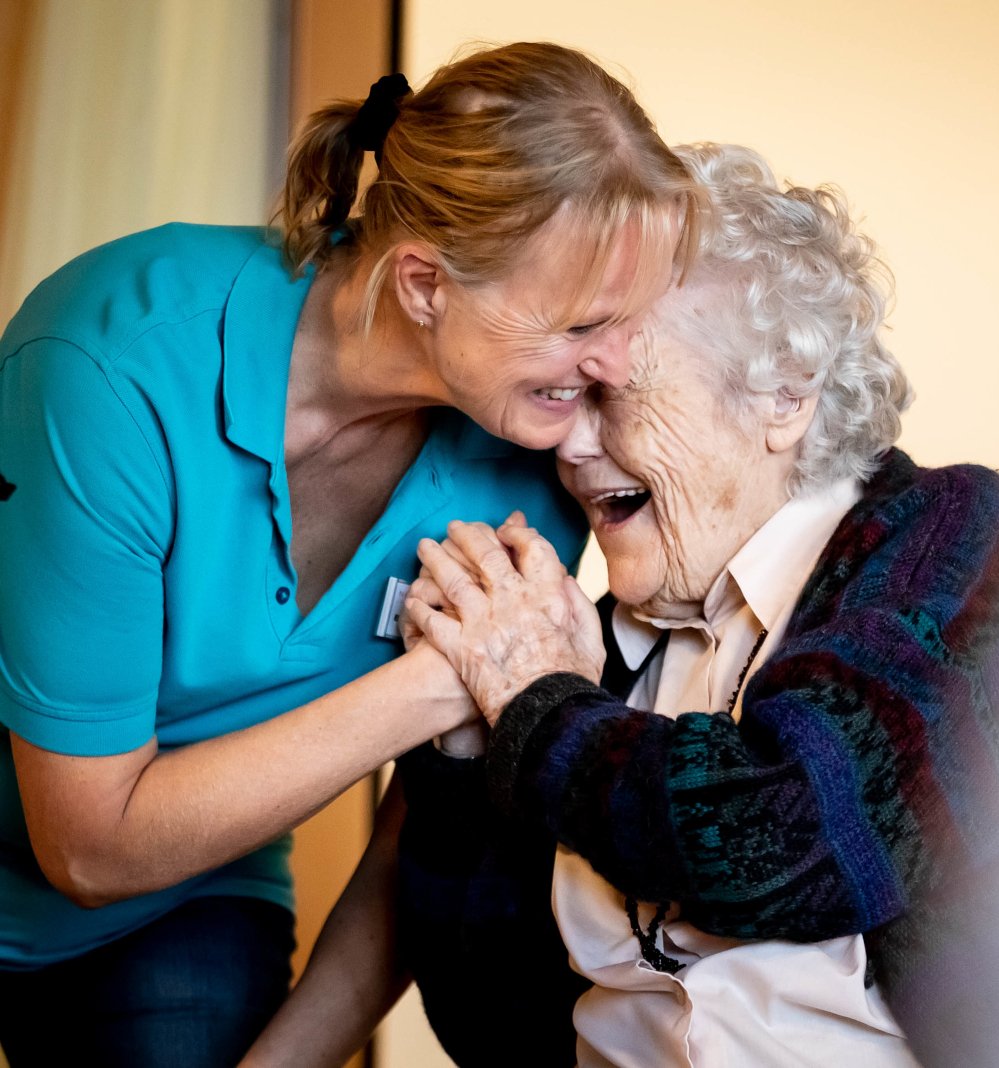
x,y
561,394
617,493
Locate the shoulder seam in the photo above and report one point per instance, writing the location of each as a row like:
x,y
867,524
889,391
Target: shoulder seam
x,y
102,367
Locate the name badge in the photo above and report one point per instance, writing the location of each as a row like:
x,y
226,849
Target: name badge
x,y
392,603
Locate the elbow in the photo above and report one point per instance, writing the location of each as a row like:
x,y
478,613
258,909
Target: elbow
x,y
86,900
88,896
87,882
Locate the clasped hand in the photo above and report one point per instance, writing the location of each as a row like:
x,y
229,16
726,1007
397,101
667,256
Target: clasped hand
x,y
502,609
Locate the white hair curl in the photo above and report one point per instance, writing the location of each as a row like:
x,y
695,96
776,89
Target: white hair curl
x,y
799,310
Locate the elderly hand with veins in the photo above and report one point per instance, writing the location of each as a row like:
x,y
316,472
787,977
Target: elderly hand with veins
x,y
511,614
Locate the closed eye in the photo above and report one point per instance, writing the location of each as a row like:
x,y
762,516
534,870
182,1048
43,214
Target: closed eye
x,y
584,329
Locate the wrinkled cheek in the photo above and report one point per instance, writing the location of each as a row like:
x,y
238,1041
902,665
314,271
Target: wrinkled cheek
x,y
627,436
664,503
727,498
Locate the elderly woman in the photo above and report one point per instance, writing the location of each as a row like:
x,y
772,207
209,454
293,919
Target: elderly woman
x,y
773,799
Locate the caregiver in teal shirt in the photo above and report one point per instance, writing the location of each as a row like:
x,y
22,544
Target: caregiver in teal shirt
x,y
214,466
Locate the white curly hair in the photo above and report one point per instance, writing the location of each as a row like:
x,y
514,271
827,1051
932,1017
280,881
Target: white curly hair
x,y
800,310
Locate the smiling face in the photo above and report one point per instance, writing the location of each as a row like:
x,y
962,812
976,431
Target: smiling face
x,y
672,482
518,354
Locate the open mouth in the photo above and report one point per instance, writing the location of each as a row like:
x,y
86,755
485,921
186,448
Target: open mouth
x,y
617,506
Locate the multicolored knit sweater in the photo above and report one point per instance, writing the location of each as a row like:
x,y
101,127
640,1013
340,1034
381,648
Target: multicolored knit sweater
x,y
859,792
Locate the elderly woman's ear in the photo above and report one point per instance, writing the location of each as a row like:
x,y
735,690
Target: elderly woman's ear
x,y
788,419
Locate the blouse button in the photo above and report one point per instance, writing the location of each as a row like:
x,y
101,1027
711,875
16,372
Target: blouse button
x,y
282,595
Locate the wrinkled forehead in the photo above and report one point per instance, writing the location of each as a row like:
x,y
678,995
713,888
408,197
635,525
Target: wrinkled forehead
x,y
689,318
651,353
649,359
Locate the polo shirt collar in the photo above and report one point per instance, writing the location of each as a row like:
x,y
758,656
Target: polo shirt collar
x,y
260,319
474,443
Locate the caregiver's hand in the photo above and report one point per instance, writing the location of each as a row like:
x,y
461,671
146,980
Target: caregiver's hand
x,y
514,614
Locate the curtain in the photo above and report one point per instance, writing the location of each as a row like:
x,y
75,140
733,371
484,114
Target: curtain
x,y
120,115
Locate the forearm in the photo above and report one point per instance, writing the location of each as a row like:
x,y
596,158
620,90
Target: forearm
x,y
354,975
101,837
851,786
678,810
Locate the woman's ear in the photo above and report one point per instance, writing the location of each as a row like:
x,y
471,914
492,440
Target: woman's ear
x,y
790,418
418,278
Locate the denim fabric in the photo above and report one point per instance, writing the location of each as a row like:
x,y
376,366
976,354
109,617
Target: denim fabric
x,y
191,989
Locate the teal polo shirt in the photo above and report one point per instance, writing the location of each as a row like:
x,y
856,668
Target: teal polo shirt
x,y
146,582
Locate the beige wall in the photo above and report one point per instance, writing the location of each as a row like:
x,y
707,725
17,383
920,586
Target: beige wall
x,y
895,100
15,37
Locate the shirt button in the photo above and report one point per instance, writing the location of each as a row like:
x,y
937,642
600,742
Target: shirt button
x,y
282,595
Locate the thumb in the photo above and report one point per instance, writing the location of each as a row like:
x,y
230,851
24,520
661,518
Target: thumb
x,y
515,519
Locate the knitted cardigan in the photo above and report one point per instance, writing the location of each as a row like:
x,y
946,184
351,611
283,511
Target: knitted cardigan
x,y
858,793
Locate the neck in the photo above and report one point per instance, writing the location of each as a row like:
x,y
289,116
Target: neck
x,y
341,376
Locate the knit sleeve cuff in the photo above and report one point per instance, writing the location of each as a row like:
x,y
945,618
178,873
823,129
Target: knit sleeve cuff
x,y
510,735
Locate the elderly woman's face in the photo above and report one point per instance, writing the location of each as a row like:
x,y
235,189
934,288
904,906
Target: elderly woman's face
x,y
672,483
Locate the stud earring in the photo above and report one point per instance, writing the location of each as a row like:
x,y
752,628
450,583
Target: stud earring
x,y
420,323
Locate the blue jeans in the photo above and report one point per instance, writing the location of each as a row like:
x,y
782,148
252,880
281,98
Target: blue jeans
x,y
191,990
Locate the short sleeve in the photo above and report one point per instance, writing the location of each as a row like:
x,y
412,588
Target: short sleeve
x,y
84,536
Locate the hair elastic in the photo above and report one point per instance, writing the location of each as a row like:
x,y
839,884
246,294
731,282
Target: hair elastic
x,y
375,116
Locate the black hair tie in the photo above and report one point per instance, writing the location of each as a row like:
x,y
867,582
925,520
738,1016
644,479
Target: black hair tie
x,y
375,116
